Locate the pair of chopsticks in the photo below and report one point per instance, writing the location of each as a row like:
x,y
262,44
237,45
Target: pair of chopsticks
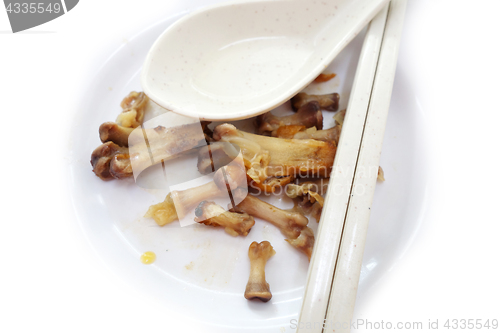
x,y
335,266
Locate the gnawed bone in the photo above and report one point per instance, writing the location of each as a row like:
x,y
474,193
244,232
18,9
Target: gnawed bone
x,y
339,117
235,224
292,132
120,135
300,132
178,203
163,144
113,132
109,160
274,157
257,287
308,196
329,102
309,115
289,223
215,155
133,107
305,242
272,184
314,189
104,165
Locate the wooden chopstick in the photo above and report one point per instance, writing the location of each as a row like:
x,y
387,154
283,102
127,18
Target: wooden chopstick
x,y
324,257
346,277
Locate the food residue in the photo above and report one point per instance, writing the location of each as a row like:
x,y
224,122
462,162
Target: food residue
x,y
189,266
293,153
380,174
324,77
148,257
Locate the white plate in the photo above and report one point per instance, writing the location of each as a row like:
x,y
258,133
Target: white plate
x,y
202,271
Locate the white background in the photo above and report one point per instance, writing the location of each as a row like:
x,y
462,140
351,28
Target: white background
x,y
51,280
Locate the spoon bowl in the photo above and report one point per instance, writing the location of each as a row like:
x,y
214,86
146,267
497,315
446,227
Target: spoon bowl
x,y
244,58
